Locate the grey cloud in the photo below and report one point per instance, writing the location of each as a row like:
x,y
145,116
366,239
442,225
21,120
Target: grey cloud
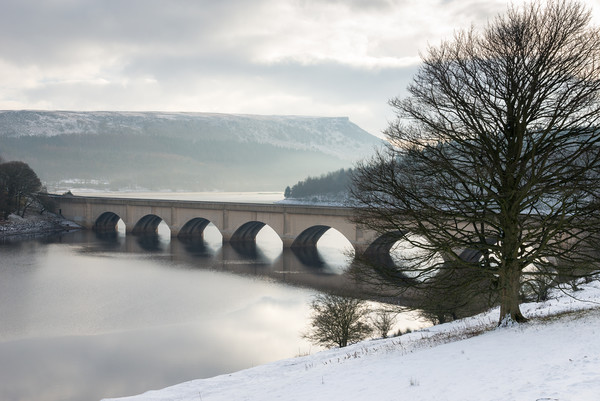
x,y
328,80
337,82
355,5
31,32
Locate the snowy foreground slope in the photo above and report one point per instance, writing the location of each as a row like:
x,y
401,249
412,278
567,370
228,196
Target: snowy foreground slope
x,y
549,358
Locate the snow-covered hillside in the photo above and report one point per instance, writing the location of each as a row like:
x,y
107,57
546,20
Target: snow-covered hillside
x,y
335,136
179,151
550,358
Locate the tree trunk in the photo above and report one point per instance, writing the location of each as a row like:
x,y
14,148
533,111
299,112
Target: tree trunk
x,y
510,285
25,207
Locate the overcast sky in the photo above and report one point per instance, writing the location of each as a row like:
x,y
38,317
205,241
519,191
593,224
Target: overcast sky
x,y
307,57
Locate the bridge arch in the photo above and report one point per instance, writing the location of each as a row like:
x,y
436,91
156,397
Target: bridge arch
x,y
247,231
147,225
194,228
383,244
257,240
323,245
106,222
397,257
310,236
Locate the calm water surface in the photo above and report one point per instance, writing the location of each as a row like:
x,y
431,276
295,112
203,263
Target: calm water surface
x,y
86,316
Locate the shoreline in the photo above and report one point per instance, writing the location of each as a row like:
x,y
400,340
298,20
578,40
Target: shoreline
x,y
35,224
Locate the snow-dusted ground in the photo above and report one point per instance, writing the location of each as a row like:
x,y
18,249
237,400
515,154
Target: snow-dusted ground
x,y
550,358
33,224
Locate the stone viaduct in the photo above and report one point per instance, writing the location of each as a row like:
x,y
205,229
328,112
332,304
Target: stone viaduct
x,y
296,225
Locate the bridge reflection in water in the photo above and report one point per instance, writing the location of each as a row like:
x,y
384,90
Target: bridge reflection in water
x,y
314,267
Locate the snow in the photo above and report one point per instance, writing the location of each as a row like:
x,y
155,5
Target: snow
x,y
34,224
555,356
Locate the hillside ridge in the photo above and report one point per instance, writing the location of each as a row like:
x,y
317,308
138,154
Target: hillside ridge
x,y
112,150
336,136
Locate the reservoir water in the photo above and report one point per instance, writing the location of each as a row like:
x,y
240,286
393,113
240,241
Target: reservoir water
x,y
85,316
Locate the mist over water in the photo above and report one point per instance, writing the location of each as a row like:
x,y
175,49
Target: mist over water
x,y
85,317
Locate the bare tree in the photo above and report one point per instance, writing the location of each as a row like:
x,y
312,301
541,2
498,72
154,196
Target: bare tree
x,y
493,163
18,187
383,321
338,321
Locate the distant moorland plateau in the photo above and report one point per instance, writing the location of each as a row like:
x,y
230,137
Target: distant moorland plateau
x,y
179,151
